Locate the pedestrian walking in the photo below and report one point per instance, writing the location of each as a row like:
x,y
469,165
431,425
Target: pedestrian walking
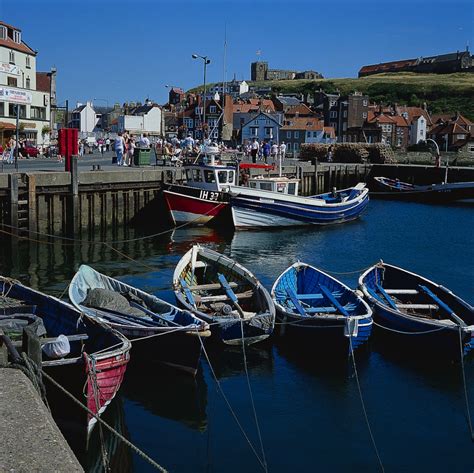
x,y
329,155
254,150
274,151
266,151
130,152
282,150
119,148
107,144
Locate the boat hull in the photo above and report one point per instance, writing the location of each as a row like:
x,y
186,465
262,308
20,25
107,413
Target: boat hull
x,y
193,205
428,340
436,193
322,334
250,210
179,350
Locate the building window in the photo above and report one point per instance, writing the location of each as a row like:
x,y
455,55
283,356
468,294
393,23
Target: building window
x,y
3,32
364,115
364,103
38,112
28,83
212,109
470,148
254,131
2,109
269,132
188,123
345,114
288,134
288,146
12,81
461,137
12,110
333,114
399,141
12,57
28,62
296,146
296,134
17,37
198,110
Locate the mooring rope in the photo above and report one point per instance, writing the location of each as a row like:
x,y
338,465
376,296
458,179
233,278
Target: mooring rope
x,y
257,425
363,406
466,396
234,415
409,333
109,427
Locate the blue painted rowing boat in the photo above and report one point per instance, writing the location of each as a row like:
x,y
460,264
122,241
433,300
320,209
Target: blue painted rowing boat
x,y
418,312
319,311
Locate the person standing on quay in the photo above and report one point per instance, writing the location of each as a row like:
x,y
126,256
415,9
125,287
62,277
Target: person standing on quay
x,y
266,151
130,152
282,150
254,150
119,148
274,151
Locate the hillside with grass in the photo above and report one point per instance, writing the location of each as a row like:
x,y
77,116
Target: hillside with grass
x,y
441,92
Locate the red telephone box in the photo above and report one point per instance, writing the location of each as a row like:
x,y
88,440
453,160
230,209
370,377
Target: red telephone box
x,y
68,145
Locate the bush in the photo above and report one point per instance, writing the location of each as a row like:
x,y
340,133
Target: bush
x,y
348,152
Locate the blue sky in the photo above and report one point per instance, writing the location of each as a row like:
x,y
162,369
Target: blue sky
x,y
128,50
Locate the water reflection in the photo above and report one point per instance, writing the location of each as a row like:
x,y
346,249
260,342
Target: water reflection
x,y
169,394
119,456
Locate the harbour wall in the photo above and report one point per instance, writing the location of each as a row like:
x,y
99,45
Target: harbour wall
x,y
73,203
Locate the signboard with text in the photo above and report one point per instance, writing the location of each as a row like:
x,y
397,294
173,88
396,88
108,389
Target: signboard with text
x,y
14,95
9,68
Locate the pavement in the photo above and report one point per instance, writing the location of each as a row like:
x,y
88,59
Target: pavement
x,y
85,163
31,441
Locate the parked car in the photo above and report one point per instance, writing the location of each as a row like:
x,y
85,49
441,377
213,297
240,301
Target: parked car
x,y
30,150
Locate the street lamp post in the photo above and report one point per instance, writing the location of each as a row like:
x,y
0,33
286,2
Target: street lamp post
x,y
206,62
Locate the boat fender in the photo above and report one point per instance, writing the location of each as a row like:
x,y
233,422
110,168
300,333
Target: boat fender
x,y
351,328
58,348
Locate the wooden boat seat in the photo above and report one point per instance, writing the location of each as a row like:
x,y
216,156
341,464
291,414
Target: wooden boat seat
x,y
401,291
224,297
317,310
211,286
418,306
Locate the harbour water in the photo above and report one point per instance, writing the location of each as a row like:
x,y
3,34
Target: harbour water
x,y
309,410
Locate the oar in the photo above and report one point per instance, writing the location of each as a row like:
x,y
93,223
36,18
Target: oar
x,y
119,317
153,315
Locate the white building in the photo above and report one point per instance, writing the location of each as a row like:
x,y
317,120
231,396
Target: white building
x,y
235,88
142,119
418,130
21,85
85,119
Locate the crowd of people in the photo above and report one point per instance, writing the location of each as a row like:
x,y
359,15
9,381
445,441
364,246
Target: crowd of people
x,y
9,151
264,150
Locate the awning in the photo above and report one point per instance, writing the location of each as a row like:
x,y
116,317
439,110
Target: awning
x,y
7,126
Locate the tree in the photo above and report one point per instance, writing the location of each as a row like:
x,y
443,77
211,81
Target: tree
x,y
46,130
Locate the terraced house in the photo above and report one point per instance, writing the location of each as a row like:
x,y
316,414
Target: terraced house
x,y
23,87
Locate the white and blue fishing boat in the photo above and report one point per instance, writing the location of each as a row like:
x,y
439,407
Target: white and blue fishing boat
x,y
318,312
171,335
226,295
274,202
418,313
